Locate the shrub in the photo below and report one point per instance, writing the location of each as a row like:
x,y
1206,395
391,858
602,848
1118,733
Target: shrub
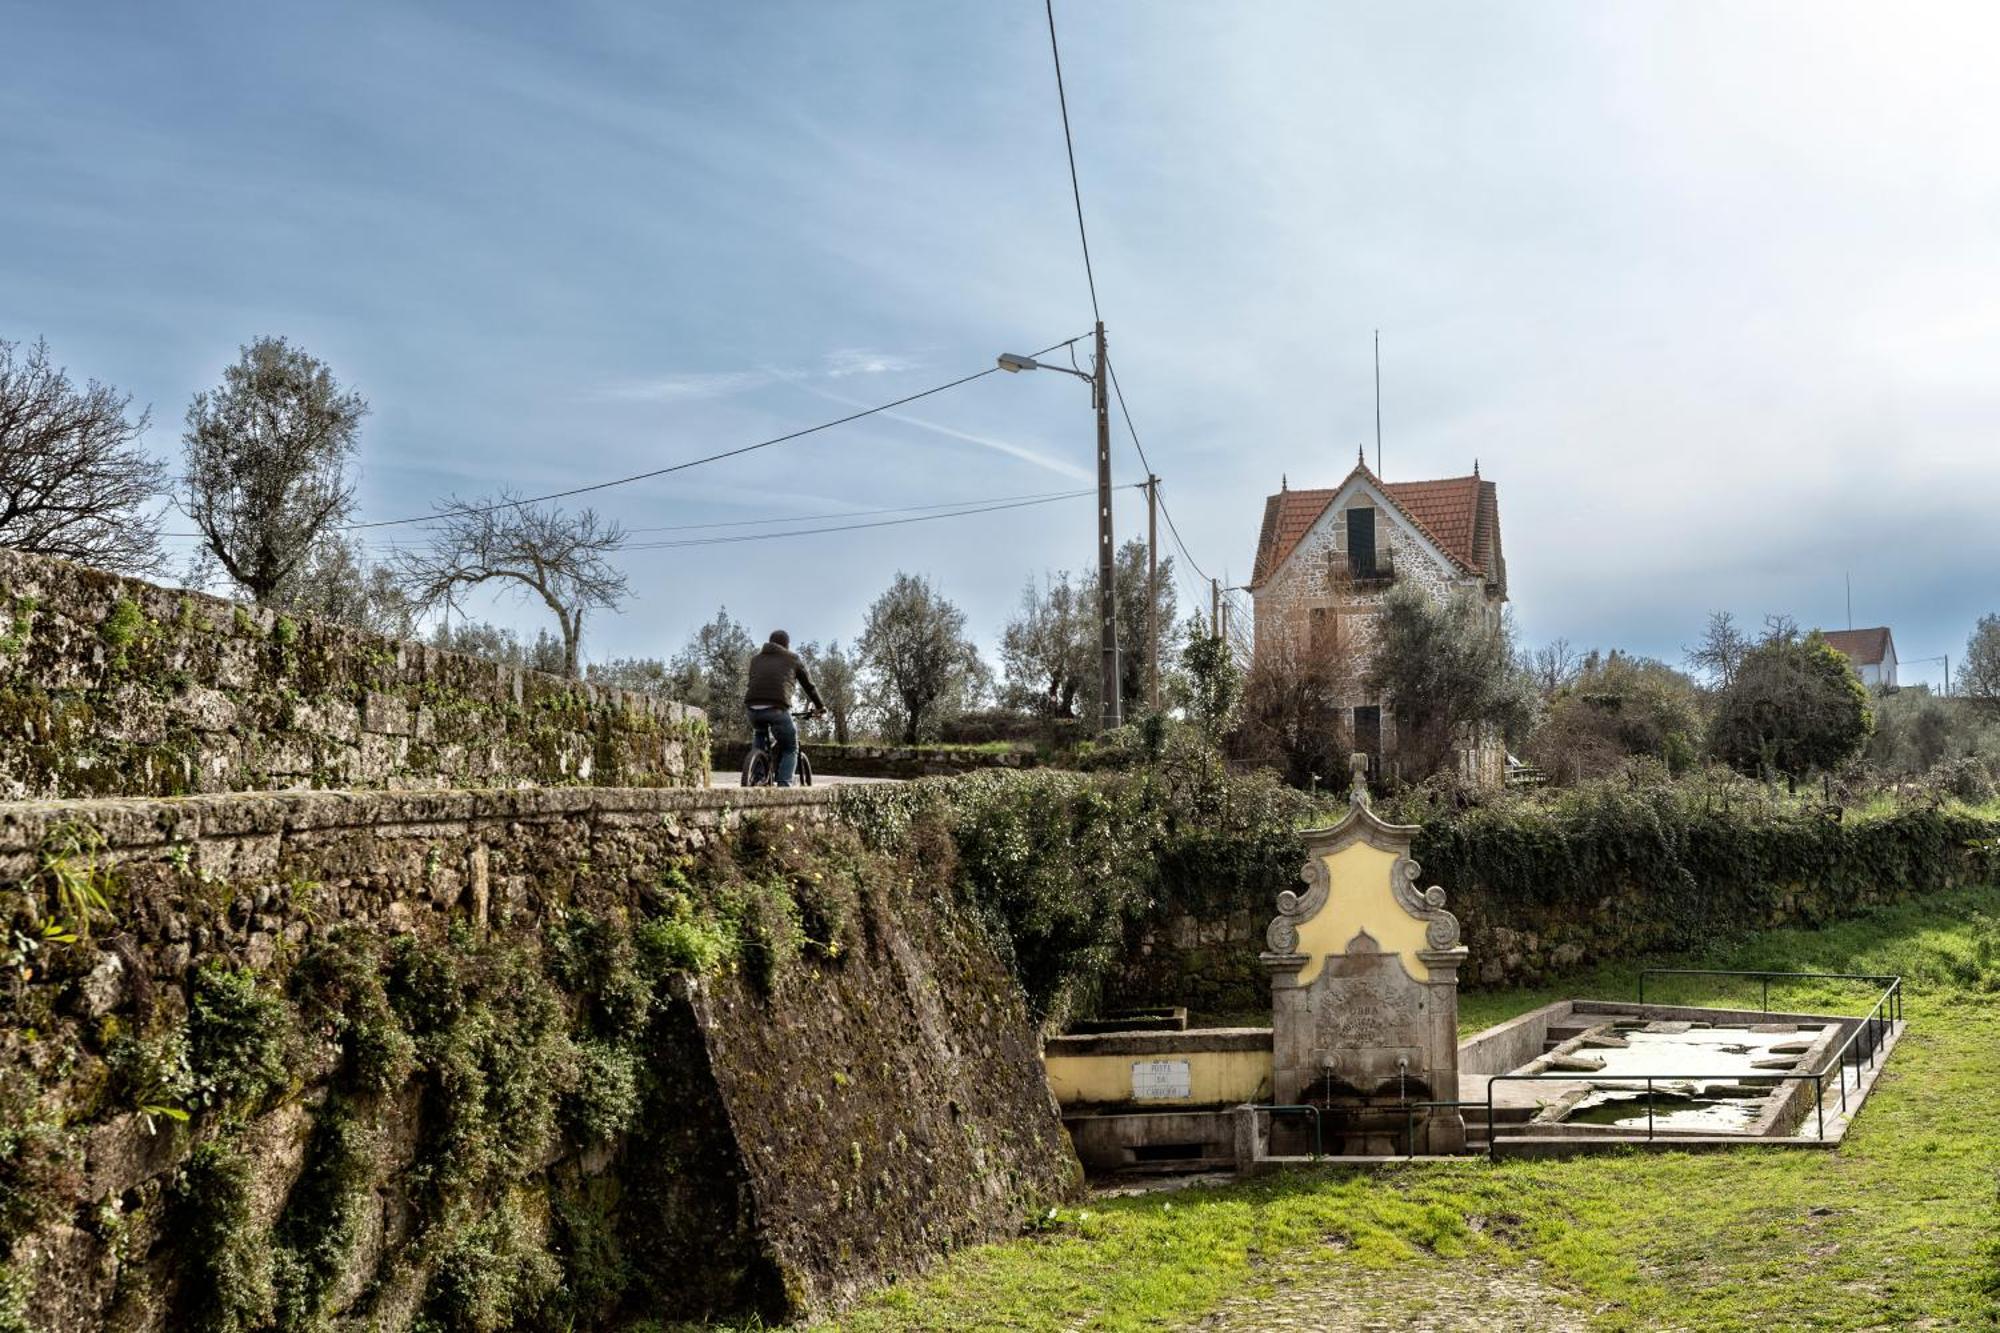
x,y
239,1038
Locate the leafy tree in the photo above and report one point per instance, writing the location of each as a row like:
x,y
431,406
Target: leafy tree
x,y
74,482
268,457
538,551
1794,707
647,675
920,664
1446,670
836,674
1614,709
712,670
337,582
1050,646
1212,684
1979,678
1052,653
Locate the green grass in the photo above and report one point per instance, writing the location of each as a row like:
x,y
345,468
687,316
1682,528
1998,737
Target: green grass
x,y
1896,1228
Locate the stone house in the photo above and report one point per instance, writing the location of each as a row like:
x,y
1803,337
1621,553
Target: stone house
x,y
1327,558
1872,651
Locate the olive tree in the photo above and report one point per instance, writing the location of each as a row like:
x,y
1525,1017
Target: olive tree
x,y
1447,670
74,482
269,457
919,661
1979,678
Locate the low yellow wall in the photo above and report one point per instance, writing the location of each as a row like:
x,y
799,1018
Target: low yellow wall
x,y
1214,1077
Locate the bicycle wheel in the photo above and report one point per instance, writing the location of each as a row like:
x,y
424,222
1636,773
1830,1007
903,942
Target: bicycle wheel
x,y
757,768
805,773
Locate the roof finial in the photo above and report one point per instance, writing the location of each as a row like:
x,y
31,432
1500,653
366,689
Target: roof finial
x,y
1475,467
1284,482
1361,455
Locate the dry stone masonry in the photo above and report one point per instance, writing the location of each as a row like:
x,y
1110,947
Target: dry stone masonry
x,y
113,686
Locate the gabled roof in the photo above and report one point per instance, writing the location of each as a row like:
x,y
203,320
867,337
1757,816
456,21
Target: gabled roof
x,y
1864,647
1461,516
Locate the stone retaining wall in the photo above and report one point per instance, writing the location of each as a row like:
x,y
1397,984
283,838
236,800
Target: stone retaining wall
x,y
805,1126
113,686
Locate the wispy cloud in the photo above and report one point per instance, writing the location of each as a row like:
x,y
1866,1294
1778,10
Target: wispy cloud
x,y
690,385
681,386
864,361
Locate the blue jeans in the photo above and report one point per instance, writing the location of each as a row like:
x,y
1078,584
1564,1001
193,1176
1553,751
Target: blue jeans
x,y
774,727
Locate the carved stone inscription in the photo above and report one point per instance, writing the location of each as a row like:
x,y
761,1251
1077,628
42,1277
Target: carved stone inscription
x,y
1367,1013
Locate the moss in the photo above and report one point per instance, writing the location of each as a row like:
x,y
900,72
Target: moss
x,y
606,1100
240,1039
494,1277
38,1157
284,631
323,1217
21,624
120,631
226,1267
339,989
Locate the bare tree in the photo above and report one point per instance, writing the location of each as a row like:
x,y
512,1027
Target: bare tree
x,y
1720,653
540,551
1554,666
73,481
336,581
268,462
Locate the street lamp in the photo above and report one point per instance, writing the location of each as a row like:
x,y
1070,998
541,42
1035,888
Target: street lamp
x,y
1107,576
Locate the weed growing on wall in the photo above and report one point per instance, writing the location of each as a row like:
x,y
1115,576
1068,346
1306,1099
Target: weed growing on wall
x,y
239,1039
226,1284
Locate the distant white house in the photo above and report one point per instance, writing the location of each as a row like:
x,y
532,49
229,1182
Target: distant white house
x,y
1873,652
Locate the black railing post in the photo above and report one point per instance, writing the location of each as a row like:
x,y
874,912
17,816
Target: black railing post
x,y
1767,996
1649,1110
1492,1125
1819,1103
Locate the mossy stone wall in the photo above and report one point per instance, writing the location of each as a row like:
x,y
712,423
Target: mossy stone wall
x,y
539,1058
115,687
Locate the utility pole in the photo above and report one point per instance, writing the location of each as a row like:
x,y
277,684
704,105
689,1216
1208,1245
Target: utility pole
x,y
1215,606
1107,554
1153,592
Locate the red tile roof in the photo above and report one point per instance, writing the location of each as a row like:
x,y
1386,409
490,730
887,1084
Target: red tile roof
x,y
1460,514
1864,647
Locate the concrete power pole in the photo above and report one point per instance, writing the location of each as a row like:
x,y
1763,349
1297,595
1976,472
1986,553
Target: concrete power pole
x,y
1215,607
1153,592
1107,554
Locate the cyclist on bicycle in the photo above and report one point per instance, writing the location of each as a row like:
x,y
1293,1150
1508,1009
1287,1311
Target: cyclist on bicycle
x,y
768,701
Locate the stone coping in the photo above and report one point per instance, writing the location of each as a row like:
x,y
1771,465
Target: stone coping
x,y
129,822
1169,1041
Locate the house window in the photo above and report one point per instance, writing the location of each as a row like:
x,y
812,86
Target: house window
x,y
1361,542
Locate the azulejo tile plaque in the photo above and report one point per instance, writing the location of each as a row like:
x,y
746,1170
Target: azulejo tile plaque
x,y
1161,1081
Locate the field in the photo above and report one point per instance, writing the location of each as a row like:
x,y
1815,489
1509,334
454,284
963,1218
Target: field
x,y
1898,1228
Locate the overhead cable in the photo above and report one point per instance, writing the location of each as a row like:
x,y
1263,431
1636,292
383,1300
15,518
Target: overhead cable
x,y
707,458
1069,146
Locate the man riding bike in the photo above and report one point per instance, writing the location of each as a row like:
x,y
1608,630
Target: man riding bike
x,y
768,701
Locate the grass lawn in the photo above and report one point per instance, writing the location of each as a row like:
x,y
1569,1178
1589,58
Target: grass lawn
x,y
1898,1228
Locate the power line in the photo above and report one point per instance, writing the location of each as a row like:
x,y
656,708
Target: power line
x,y
708,458
852,513
851,527
1173,529
1069,146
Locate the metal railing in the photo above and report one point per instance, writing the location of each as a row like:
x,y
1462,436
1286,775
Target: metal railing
x,y
1860,1048
1893,982
1301,1108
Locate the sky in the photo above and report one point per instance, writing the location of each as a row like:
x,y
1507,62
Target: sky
x,y
1708,289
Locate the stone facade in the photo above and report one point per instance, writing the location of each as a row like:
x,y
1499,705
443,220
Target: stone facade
x,y
1311,602
113,686
814,1128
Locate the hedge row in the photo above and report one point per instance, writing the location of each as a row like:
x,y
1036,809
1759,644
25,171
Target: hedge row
x,y
1155,888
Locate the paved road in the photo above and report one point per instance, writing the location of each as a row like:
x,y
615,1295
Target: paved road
x,y
718,778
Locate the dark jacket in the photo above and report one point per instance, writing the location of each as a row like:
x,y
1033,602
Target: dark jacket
x,y
772,671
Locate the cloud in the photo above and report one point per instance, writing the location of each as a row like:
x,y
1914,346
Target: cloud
x,y
862,361
684,386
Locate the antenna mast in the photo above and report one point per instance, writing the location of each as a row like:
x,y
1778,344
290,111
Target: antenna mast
x,y
1378,402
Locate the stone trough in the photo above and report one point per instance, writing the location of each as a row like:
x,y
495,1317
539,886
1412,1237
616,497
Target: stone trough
x,y
1362,1061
